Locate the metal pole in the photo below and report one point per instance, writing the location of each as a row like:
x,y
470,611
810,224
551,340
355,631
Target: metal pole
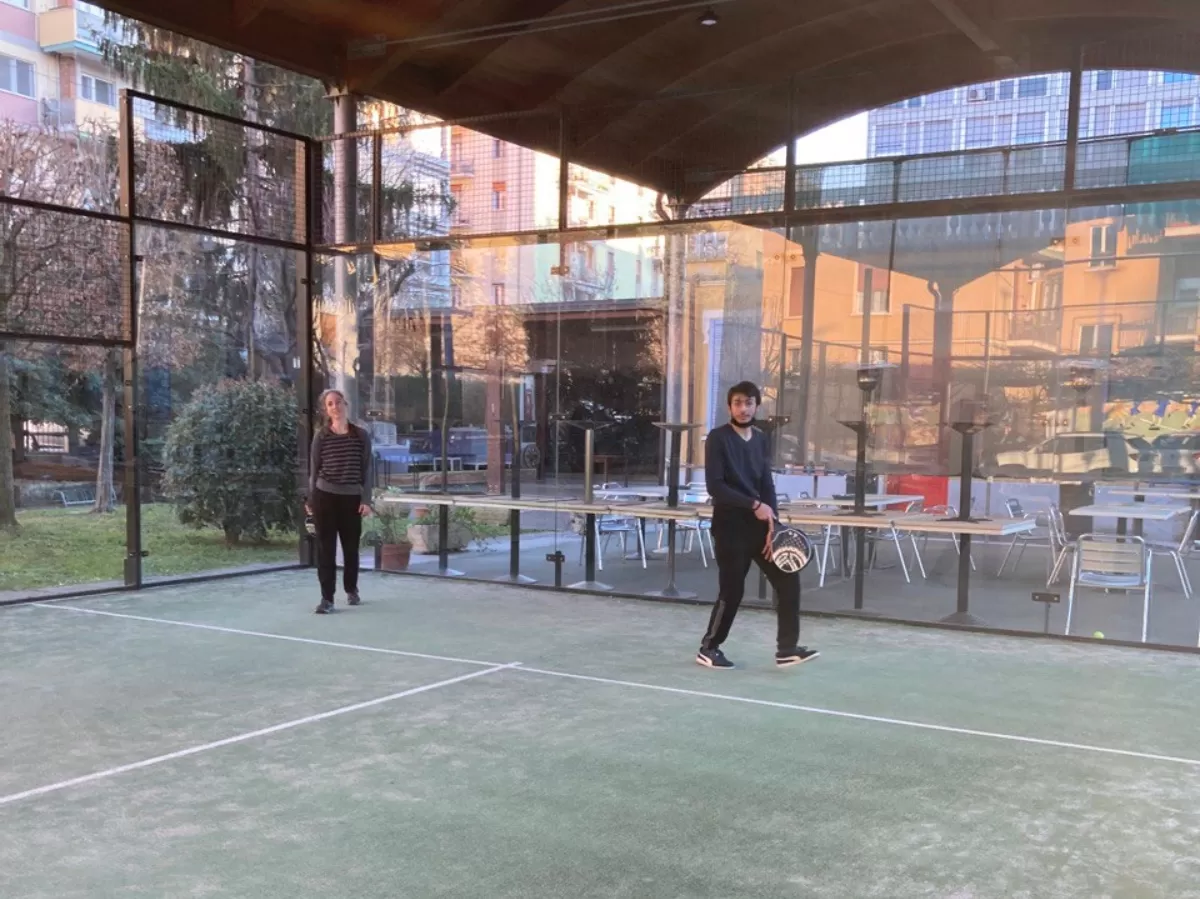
x,y
304,328
133,479
1073,110
809,244
589,581
589,464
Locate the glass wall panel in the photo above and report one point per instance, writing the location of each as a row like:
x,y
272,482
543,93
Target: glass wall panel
x,y
63,406
218,425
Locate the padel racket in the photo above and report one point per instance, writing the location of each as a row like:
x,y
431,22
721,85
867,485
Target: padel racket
x,y
791,549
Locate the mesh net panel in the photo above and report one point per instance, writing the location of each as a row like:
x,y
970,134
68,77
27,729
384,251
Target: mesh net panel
x,y
63,274
233,178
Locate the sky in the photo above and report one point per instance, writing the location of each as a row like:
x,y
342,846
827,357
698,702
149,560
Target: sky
x,y
844,141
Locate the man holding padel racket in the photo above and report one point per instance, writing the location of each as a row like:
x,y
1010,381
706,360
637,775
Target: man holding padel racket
x,y
739,480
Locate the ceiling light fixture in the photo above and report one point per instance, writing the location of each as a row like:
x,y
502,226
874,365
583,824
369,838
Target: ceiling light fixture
x,y
709,19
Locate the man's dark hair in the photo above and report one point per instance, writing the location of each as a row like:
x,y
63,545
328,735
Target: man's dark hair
x,y
747,389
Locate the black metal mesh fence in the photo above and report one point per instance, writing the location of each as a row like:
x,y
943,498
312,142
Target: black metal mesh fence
x,y
63,274
206,171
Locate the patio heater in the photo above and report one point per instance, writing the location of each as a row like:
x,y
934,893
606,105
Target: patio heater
x,y
1082,375
676,430
868,377
972,419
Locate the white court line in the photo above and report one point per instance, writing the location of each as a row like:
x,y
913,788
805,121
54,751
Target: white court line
x,y
899,722
812,710
242,633
241,738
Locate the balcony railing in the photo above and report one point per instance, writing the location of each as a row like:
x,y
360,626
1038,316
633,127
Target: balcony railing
x,y
1167,157
1040,328
462,166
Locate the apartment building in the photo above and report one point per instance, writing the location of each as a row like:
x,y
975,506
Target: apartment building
x,y
52,72
499,187
1033,109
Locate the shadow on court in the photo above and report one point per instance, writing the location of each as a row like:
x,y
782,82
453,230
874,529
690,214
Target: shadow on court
x,y
461,740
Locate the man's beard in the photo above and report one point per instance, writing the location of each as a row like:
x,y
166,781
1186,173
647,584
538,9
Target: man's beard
x,y
737,424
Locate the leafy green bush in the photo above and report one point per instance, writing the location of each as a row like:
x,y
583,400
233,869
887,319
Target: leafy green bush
x,y
230,460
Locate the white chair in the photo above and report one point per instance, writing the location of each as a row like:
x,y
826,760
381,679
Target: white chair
x,y
1111,562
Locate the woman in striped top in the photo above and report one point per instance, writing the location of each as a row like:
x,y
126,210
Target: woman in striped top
x,y
339,496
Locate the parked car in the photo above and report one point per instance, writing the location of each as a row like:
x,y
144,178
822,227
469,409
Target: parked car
x,y
1177,454
1110,453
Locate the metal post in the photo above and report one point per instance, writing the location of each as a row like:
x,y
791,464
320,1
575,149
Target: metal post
x,y
865,348
780,396
860,503
514,515
789,186
564,174
444,568
589,465
133,479
304,328
1073,110
809,244
589,581
967,430
675,432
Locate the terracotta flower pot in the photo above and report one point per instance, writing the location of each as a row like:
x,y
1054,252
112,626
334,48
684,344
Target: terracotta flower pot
x,y
394,556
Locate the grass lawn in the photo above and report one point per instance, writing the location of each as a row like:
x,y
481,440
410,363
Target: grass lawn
x,y
65,547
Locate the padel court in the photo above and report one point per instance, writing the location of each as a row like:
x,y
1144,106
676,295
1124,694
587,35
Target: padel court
x,y
452,739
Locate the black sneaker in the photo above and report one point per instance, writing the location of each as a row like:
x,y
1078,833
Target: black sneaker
x,y
353,599
325,607
797,656
713,658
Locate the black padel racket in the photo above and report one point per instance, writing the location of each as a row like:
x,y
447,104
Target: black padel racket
x,y
791,549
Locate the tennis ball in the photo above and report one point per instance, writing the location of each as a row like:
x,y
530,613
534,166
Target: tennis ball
x,y
1099,635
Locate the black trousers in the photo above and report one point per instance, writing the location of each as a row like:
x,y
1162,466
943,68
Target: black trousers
x,y
739,539
336,517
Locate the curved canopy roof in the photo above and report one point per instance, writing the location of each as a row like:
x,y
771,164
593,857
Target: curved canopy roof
x,y
654,95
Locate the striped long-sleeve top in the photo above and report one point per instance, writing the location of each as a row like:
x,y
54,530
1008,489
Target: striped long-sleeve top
x,y
341,463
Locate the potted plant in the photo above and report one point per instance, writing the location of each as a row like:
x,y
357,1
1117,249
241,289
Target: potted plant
x,y
392,546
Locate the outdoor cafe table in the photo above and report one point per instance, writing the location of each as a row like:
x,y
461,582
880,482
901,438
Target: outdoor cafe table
x,y
1137,512
1139,495
921,522
1134,511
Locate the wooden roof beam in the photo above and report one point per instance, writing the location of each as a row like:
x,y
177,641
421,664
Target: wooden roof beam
x,y
982,33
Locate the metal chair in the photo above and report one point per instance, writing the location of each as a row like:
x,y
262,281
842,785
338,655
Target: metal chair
x,y
696,527
1060,544
1177,552
1111,562
1027,538
610,525
947,512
